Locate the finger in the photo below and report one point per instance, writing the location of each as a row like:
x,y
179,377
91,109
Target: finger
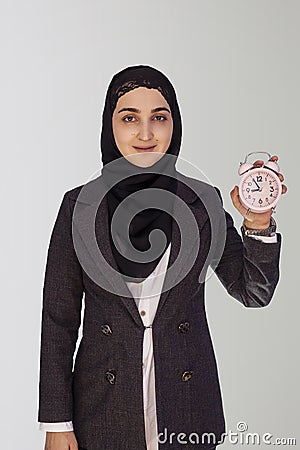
x,y
274,158
245,212
234,194
284,188
258,162
281,177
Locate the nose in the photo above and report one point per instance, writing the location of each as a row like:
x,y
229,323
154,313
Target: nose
x,y
145,131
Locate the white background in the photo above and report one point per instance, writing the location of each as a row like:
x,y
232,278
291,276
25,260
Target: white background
x,y
235,68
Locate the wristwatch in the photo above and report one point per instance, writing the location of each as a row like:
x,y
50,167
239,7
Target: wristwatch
x,y
265,232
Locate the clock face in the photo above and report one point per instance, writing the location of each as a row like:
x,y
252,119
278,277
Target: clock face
x,y
260,189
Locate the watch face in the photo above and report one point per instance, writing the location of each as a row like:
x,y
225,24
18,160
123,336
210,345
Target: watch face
x,y
260,189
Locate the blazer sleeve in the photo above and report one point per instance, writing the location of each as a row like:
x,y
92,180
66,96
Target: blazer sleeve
x,y
248,268
61,318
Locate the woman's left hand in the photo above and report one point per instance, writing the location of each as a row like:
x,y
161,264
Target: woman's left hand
x,y
256,221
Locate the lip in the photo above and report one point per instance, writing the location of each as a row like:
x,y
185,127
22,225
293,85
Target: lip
x,y
145,149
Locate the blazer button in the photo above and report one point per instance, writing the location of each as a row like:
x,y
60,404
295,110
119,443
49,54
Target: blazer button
x,y
111,377
187,375
106,329
184,327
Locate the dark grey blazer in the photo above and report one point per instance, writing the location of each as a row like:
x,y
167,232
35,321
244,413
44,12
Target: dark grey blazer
x,y
103,395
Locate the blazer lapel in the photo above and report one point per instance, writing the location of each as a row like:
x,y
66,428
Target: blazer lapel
x,y
115,279
191,240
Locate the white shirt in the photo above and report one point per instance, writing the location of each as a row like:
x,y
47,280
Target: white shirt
x,y
146,295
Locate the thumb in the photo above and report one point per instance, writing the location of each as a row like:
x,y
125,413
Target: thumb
x,y
234,194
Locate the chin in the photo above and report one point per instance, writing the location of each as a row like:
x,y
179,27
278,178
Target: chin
x,y
146,159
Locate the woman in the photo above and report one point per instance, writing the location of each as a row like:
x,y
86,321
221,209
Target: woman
x,y
145,375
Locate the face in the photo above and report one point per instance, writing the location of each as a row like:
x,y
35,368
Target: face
x,y
142,125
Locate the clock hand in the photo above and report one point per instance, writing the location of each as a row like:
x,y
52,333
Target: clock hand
x,y
255,182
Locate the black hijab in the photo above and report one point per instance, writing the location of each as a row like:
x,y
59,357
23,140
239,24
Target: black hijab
x,y
152,218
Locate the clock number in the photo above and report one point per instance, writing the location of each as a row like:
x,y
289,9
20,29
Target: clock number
x,y
249,183
260,201
259,178
248,189
271,188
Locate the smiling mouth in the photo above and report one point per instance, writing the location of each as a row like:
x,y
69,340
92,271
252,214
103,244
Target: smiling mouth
x,y
145,149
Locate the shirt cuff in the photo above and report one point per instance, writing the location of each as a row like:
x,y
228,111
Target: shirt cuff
x,y
266,239
56,426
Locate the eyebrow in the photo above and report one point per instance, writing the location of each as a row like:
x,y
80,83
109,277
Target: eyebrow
x,y
160,108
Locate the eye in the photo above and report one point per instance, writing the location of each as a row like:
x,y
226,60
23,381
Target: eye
x,y
163,117
127,117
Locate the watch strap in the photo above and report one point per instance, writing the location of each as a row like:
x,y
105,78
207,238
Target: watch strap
x,y
264,232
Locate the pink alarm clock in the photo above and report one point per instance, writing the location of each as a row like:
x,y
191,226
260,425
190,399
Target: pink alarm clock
x,y
260,187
